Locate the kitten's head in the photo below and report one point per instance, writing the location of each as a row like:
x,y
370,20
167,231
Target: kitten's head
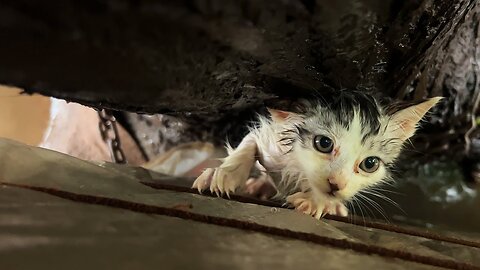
x,y
346,143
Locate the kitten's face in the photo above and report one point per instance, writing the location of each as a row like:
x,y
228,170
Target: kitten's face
x,y
333,156
343,152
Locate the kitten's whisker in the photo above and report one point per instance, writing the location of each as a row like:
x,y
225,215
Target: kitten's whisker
x,y
377,207
385,198
389,183
386,190
379,195
367,204
361,211
352,203
353,210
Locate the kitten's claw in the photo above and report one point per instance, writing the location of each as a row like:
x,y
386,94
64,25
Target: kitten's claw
x,y
233,172
222,180
342,210
336,209
203,181
319,214
304,203
306,207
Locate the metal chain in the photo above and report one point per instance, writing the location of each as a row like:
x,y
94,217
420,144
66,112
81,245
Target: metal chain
x,y
109,132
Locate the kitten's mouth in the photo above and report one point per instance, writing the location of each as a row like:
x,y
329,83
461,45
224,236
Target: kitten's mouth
x,y
331,193
333,189
327,191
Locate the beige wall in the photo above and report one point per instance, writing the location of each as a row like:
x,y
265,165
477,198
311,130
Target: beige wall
x,y
23,117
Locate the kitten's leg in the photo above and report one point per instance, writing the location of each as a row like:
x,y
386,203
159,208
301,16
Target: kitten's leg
x,y
233,172
260,184
305,203
261,187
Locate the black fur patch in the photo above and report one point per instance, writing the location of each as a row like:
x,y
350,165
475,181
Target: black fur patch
x,y
343,103
289,136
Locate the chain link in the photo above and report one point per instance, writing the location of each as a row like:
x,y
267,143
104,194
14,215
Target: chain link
x,y
109,133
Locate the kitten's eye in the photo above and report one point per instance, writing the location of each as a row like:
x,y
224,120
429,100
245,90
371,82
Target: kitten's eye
x,y
323,144
370,164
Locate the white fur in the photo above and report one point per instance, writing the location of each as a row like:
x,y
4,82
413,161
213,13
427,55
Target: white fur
x,y
300,172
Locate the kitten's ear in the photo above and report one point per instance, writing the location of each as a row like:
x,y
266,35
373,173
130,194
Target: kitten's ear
x,y
404,122
279,116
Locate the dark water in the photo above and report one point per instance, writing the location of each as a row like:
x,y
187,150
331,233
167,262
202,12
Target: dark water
x,y
432,195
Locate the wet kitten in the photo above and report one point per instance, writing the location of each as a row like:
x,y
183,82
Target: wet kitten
x,y
321,158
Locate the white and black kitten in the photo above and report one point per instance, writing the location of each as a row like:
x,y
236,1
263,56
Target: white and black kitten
x,y
323,157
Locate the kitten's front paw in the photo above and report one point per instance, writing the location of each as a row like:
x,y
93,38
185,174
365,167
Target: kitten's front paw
x,y
204,180
222,179
304,203
336,209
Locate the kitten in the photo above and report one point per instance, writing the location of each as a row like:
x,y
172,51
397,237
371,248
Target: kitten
x,y
320,158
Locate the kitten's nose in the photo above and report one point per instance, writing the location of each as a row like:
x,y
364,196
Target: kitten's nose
x,y
333,187
336,184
